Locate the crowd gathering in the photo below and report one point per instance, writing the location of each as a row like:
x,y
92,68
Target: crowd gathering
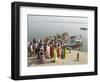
x,y
47,49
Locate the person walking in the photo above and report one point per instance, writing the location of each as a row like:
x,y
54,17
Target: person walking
x,y
77,58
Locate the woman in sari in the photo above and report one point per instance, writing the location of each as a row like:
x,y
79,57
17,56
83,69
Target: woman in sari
x,y
47,51
55,54
65,54
59,51
51,51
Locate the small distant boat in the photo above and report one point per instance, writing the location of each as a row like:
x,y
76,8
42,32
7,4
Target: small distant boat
x,y
83,28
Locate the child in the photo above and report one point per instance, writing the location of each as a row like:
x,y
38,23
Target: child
x,y
77,59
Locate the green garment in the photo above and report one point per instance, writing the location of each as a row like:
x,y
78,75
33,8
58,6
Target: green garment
x,y
55,54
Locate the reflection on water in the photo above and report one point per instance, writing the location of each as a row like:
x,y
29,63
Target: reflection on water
x,y
40,27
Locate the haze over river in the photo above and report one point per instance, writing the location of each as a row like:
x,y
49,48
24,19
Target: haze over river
x,y
40,26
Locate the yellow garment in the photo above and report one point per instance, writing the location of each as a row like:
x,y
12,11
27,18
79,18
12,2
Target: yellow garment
x,y
55,55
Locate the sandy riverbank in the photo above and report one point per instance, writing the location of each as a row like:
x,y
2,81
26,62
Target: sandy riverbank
x,y
71,60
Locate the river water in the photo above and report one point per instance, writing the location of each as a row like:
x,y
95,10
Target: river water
x,y
40,26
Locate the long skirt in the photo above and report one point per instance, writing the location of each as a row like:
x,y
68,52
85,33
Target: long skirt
x,y
59,52
51,52
55,55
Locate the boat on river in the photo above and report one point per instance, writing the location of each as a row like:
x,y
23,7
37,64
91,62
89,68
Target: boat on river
x,y
74,42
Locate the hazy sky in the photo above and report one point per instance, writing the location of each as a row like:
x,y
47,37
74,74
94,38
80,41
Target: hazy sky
x,y
41,26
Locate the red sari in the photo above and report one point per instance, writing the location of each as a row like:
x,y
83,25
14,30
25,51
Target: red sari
x,y
51,51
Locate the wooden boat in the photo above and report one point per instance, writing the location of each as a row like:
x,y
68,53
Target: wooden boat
x,y
83,28
74,42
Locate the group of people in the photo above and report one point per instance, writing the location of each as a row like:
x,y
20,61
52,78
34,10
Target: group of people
x,y
47,49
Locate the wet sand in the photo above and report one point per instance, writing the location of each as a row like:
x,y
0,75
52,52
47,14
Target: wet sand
x,y
70,60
